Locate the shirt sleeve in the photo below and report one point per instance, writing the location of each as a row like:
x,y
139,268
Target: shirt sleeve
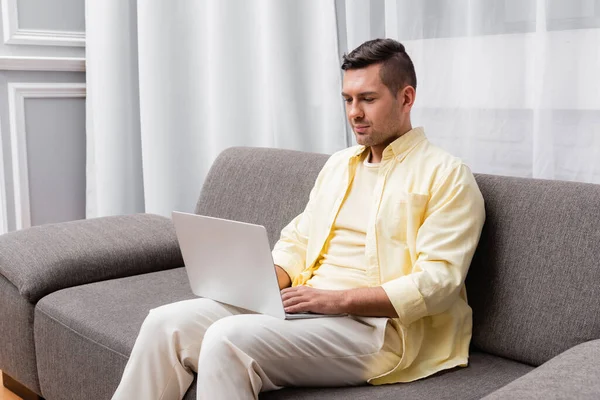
x,y
445,244
290,250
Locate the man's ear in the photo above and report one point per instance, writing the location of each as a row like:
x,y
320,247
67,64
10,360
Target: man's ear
x,y
407,96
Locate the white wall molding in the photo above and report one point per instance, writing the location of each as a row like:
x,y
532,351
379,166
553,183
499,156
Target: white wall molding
x,y
15,35
17,93
71,64
3,208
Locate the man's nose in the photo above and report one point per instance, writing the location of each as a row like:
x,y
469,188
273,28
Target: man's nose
x,y
354,112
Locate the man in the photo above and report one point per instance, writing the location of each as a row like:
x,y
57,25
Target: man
x,y
387,237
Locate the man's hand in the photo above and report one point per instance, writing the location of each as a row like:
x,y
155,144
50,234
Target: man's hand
x,y
300,299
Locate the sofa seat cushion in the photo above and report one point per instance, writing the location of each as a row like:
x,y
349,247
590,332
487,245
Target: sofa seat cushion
x,y
485,374
85,334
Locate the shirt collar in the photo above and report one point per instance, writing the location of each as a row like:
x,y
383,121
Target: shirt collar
x,y
400,146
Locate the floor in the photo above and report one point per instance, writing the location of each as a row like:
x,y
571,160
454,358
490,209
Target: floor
x,y
6,394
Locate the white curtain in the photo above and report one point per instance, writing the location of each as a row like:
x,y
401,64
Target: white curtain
x,y
173,83
510,86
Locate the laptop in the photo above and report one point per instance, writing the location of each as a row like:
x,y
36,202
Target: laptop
x,y
231,262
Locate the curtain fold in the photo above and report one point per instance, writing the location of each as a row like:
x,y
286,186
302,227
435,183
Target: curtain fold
x,y
510,86
113,141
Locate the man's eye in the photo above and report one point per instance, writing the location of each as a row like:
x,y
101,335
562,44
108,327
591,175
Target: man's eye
x,y
348,101
368,99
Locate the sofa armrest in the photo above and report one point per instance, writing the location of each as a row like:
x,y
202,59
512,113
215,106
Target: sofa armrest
x,y
44,259
573,374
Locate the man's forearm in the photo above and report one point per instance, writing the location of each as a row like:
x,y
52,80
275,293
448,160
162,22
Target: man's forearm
x,y
282,278
368,302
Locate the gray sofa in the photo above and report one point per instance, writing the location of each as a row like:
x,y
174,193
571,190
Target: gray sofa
x,y
73,295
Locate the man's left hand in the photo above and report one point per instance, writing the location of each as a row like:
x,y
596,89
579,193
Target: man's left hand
x,y
301,299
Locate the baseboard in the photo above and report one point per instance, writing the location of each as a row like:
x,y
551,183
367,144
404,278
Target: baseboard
x,y
18,389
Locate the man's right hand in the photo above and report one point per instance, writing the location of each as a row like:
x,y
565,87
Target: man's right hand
x,y
282,278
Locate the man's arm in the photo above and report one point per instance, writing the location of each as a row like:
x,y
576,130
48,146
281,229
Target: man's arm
x,y
445,244
371,302
282,278
289,253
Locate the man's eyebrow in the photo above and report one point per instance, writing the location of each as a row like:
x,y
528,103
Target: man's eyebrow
x,y
362,94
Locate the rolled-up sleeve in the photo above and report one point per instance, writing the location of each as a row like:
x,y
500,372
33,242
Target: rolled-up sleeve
x,y
445,244
290,250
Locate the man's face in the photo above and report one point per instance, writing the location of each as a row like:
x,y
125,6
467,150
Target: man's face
x,y
377,117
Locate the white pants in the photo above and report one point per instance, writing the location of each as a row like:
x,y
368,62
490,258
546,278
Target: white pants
x,y
238,355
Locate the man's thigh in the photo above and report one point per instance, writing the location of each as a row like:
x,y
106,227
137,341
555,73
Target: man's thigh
x,y
182,325
312,352
194,315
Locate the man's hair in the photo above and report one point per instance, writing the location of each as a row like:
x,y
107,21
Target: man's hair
x,y
397,69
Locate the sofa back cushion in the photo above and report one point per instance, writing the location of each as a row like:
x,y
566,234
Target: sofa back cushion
x,y
260,186
534,283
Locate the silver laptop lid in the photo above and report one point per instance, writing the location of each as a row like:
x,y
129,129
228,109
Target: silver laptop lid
x,y
230,262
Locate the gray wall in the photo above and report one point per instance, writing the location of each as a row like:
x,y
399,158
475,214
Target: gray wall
x,y
62,15
57,147
54,122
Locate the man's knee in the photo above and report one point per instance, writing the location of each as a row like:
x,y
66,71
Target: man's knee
x,y
170,317
243,332
162,317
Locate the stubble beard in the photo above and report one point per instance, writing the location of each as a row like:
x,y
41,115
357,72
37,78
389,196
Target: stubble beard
x,y
374,138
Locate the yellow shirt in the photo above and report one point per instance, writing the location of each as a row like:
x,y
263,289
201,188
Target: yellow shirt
x,y
424,225
343,264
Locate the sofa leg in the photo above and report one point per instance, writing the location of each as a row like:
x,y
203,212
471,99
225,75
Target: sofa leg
x,y
18,389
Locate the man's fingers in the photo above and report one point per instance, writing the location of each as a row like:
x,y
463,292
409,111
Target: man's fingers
x,y
298,308
295,291
291,300
289,295
299,299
